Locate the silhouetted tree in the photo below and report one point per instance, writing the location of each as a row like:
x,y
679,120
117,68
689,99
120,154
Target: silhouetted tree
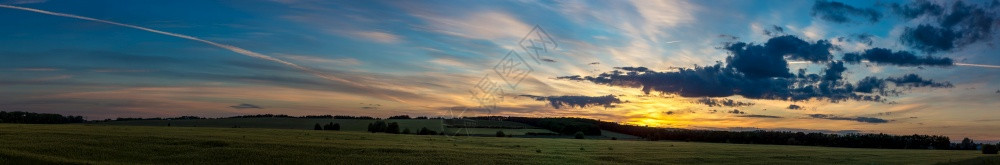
x,y
989,149
578,135
336,126
392,128
317,127
406,130
501,134
968,144
371,127
328,126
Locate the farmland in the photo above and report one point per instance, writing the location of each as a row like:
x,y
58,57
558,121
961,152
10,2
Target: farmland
x,y
113,144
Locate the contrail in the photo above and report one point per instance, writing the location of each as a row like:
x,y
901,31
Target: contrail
x,y
978,65
224,46
956,64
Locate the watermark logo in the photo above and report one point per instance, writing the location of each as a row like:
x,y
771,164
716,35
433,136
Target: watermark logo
x,y
537,44
512,69
488,91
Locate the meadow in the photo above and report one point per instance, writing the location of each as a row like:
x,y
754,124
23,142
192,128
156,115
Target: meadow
x,y
113,144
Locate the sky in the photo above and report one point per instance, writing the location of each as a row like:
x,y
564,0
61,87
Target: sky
x,y
899,67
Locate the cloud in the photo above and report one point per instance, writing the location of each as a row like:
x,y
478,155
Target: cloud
x,y
912,80
794,107
722,102
774,30
578,101
929,38
842,13
338,61
736,111
246,106
947,28
478,25
719,81
231,48
858,119
378,36
901,58
768,60
867,39
762,116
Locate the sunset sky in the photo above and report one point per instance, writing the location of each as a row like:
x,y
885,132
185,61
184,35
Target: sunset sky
x,y
911,67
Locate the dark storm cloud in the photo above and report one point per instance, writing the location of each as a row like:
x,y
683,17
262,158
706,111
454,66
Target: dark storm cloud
x,y
842,13
761,116
794,107
768,60
950,27
929,38
916,9
865,38
723,102
718,81
912,80
246,106
736,111
578,101
774,30
901,58
761,72
858,119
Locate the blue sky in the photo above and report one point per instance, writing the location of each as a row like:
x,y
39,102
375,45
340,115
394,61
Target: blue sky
x,y
423,58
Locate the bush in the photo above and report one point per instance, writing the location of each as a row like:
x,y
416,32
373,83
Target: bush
x,y
500,134
578,135
614,138
989,149
425,131
336,126
317,127
406,131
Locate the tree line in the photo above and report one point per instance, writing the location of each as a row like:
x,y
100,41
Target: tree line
x,y
572,126
37,118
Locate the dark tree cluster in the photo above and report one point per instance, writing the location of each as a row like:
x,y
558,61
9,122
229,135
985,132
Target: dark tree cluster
x,y
565,126
264,116
330,126
37,118
157,118
400,117
784,137
353,117
571,126
382,126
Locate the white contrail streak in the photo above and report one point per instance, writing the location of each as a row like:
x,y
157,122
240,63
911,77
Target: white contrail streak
x,y
224,46
978,65
956,64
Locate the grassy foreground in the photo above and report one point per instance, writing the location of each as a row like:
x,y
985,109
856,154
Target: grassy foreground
x,y
106,144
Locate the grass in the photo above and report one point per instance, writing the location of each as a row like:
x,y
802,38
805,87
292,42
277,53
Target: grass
x,y
108,144
346,124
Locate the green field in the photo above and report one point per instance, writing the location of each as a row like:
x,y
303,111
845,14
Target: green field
x,y
109,144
